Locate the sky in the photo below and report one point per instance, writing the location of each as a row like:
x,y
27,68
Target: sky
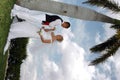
x,y
69,60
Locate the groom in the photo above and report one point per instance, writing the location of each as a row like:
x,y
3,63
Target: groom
x,y
52,21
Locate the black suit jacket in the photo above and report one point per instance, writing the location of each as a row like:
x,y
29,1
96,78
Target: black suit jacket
x,y
50,18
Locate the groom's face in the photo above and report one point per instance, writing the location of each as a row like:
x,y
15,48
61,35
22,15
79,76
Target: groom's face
x,y
64,25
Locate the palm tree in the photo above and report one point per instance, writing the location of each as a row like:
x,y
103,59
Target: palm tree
x,y
67,10
112,44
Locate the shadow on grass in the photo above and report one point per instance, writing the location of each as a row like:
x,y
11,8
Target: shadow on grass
x,y
17,55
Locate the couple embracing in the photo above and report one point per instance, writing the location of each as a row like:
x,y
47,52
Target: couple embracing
x,y
49,25
52,21
24,28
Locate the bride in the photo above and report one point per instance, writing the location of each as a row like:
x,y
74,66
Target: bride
x,y
30,27
52,38
29,30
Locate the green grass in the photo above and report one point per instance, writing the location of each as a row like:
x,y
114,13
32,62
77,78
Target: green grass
x,y
5,21
16,54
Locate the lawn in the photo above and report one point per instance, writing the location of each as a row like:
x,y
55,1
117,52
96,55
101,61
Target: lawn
x,y
5,21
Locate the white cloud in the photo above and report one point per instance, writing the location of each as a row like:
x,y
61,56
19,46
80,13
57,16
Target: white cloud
x,y
116,58
102,76
97,39
79,31
72,65
51,70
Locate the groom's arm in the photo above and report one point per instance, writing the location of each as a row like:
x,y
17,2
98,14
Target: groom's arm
x,y
47,30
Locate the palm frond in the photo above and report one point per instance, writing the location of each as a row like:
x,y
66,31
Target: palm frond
x,y
115,26
105,45
112,5
111,51
100,59
116,21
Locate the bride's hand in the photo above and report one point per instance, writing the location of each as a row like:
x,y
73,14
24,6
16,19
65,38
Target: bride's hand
x,y
42,27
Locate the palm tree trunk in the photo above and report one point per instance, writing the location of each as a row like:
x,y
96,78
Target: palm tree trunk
x,y
67,10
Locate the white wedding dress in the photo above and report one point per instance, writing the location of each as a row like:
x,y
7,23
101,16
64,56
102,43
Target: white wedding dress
x,y
27,28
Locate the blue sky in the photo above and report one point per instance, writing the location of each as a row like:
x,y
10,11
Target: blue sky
x,y
69,60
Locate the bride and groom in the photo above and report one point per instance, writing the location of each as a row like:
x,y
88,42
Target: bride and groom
x,y
25,28
48,25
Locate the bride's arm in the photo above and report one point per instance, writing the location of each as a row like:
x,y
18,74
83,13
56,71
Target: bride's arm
x,y
45,40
